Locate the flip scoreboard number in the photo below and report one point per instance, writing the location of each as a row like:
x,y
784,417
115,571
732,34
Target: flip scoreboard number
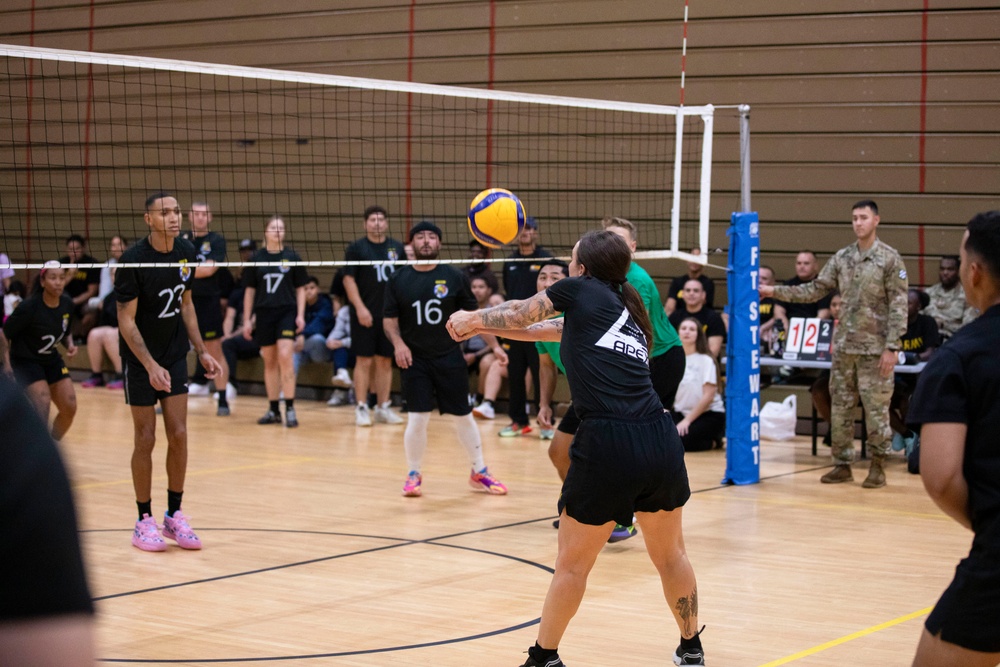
x,y
808,339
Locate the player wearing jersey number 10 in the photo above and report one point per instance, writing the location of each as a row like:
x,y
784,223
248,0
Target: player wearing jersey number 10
x,y
627,457
418,301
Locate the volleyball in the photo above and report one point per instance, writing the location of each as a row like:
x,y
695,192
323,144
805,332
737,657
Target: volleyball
x,y
496,217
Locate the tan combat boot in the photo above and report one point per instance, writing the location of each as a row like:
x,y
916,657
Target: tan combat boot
x,y
840,473
876,474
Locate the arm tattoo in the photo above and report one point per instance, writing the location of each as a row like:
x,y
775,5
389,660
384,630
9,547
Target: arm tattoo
x,y
556,325
687,610
518,314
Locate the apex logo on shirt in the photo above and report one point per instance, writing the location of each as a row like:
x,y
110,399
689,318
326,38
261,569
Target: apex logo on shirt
x,y
440,289
624,337
185,271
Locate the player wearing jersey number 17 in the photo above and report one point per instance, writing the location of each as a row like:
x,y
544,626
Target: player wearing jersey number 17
x,y
418,301
627,457
156,324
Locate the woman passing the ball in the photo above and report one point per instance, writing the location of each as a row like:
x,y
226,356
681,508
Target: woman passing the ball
x,y
34,329
627,457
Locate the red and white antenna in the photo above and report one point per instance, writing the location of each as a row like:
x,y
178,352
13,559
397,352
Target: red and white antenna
x,y
684,50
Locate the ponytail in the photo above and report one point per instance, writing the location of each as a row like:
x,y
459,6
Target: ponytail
x,y
637,309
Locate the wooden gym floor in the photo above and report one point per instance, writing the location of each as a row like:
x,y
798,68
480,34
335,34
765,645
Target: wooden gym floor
x,y
313,558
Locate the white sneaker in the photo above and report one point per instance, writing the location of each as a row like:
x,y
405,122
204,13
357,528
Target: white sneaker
x,y
342,379
362,415
384,415
230,391
195,389
484,411
339,398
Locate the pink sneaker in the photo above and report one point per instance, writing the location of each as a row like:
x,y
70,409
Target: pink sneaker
x,y
177,529
146,535
411,488
484,481
92,381
116,384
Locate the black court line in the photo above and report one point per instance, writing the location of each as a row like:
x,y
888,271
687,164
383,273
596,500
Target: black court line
x,y
400,542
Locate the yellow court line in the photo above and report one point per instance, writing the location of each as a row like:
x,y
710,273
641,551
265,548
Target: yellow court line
x,y
847,638
197,473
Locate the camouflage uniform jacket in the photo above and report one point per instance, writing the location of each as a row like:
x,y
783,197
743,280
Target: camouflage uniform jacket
x,y
949,308
872,285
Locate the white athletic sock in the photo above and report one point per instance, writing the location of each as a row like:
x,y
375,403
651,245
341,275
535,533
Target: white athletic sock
x,y
415,438
468,435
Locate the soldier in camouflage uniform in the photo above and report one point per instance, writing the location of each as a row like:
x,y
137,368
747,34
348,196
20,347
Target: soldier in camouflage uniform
x,y
948,306
872,281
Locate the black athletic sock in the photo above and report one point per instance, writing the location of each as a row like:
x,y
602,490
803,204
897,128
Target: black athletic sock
x,y
274,407
118,377
145,508
97,376
694,642
223,403
542,654
173,501
289,404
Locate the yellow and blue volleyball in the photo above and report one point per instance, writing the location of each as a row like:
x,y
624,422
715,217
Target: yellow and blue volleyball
x,y
496,217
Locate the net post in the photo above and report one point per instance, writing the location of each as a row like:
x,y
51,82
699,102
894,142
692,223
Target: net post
x,y
743,352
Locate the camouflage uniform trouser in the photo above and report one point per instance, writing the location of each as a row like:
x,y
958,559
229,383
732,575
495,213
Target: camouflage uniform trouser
x,y
853,376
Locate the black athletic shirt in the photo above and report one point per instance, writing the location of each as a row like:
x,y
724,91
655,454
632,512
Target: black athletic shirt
x,y
210,246
42,573
677,289
961,385
804,309
159,292
603,350
371,280
423,301
81,279
711,322
34,329
520,279
275,285
920,335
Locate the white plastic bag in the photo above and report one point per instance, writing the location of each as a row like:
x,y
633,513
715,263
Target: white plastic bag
x,y
777,420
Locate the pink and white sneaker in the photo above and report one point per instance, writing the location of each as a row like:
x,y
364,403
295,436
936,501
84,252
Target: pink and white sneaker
x,y
411,488
177,529
146,535
484,481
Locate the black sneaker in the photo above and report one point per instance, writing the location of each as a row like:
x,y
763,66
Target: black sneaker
x,y
554,661
290,419
222,411
691,656
270,417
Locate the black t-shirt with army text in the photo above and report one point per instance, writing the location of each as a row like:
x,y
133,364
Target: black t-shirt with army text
x,y
34,329
604,351
921,334
423,301
210,246
276,284
371,280
160,293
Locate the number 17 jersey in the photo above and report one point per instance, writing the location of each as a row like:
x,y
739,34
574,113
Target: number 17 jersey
x,y
423,301
159,293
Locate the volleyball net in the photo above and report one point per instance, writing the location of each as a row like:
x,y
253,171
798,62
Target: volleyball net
x,y
86,137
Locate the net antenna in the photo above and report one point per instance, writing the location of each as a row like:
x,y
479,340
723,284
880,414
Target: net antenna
x,y
86,137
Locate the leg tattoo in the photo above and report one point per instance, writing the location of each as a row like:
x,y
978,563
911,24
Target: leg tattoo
x,y
687,610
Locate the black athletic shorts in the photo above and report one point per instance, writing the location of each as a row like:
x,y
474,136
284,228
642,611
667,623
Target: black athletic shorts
x,y
139,392
209,312
273,324
28,372
444,378
371,341
666,371
968,613
570,422
618,467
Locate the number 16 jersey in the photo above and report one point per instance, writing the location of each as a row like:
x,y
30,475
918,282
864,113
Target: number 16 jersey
x,y
423,301
159,293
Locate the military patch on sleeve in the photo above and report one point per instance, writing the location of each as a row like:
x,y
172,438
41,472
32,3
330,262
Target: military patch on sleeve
x,y
902,274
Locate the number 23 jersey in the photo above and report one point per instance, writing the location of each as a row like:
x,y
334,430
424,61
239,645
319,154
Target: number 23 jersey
x,y
423,301
159,292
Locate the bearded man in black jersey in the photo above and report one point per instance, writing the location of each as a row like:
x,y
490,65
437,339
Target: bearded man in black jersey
x,y
419,299
156,321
